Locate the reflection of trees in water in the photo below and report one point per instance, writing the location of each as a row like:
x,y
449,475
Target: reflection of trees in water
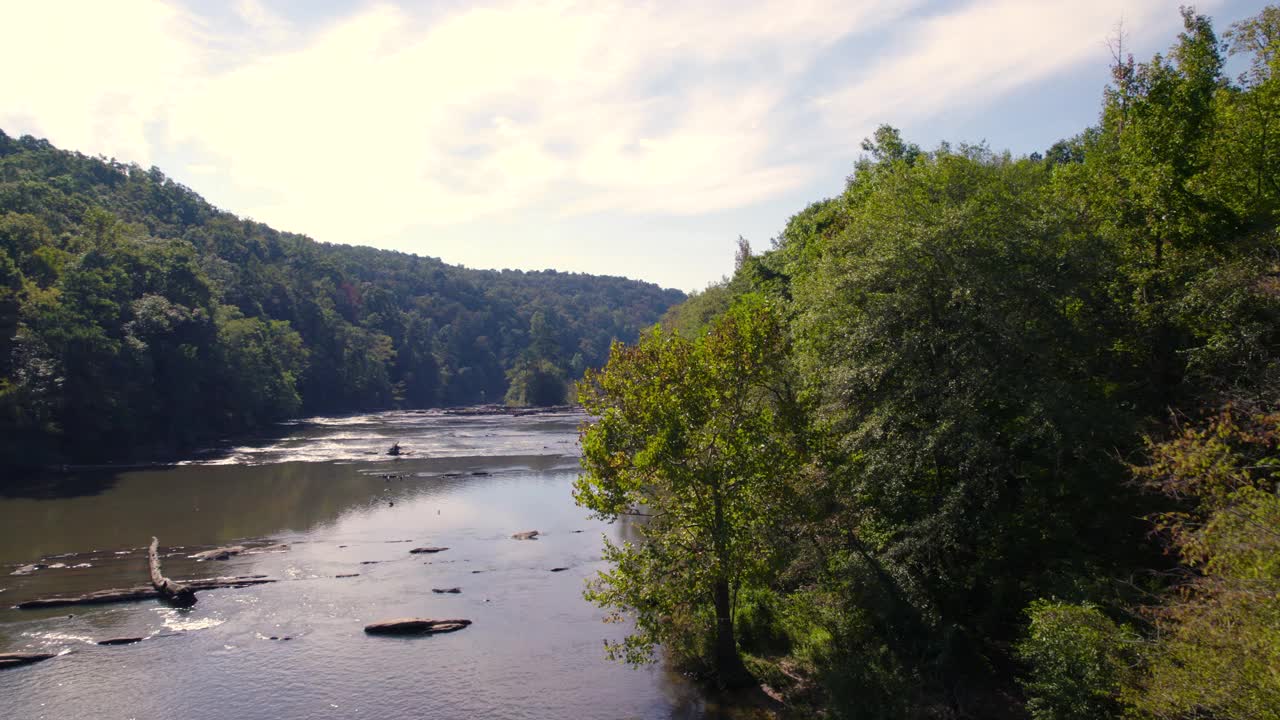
x,y
46,485
212,504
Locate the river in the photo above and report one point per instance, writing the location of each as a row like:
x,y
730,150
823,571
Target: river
x,y
325,487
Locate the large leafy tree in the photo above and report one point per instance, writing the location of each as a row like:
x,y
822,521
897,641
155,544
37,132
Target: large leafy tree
x,y
690,435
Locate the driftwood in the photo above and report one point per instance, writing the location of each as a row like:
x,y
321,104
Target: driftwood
x,y
174,593
415,626
143,592
8,660
225,553
221,553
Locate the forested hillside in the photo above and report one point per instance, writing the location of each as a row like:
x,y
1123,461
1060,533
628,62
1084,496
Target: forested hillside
x,y
983,435
136,318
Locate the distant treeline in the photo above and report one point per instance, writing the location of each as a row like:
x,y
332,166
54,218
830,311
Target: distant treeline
x,y
136,318
982,436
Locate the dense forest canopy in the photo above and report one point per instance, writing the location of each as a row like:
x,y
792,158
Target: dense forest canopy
x,y
135,318
1022,435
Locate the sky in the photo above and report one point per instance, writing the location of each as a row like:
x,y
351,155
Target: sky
x,y
622,138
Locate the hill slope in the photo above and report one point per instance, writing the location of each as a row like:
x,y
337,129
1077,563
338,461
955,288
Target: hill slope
x,y
135,318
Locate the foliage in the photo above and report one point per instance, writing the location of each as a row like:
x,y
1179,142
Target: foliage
x,y
1219,642
977,344
689,438
1078,657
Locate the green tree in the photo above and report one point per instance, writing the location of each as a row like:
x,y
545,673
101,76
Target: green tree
x,y
690,436
1078,658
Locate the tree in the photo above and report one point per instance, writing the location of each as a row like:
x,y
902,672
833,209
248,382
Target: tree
x,y
1218,645
690,438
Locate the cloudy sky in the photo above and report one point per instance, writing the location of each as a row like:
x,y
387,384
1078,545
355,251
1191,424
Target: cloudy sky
x,y
624,138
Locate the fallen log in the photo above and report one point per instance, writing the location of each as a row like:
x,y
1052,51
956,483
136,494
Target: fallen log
x,y
143,592
8,660
174,593
221,553
415,626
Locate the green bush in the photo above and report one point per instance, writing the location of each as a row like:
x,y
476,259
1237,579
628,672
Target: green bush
x,y
1076,658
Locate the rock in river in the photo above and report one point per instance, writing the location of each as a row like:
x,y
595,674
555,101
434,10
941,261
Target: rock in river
x,y
415,626
8,660
120,641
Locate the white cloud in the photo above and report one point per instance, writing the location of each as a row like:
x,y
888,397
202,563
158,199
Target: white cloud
x,y
969,55
91,75
385,120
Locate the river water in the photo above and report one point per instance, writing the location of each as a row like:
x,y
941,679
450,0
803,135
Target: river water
x,y
325,487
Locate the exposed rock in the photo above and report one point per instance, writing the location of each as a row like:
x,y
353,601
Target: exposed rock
x,y
415,626
420,550
452,590
526,535
120,641
16,659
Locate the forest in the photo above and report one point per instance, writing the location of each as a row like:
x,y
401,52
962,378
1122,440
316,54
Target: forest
x,y
137,320
983,435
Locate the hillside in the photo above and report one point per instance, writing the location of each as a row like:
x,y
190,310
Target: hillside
x,y
136,318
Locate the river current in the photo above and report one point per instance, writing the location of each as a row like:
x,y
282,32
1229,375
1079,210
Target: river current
x,y
296,648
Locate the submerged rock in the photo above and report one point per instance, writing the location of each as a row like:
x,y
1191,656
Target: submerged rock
x,y
415,626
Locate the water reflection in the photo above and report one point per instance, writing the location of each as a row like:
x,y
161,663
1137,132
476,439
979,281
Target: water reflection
x,y
45,485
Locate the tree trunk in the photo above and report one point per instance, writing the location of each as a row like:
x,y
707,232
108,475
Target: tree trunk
x,y
730,672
